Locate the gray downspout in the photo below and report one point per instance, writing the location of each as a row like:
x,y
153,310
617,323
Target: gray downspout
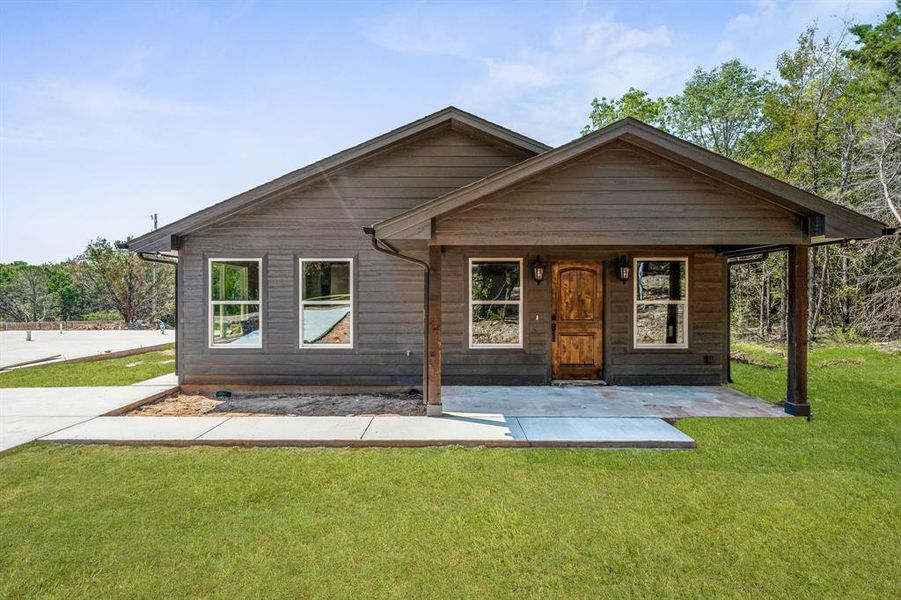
x,y
387,250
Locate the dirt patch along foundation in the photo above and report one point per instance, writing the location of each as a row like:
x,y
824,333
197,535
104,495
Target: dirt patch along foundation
x,y
284,404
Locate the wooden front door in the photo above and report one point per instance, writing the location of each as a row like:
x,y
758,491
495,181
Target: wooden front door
x,y
576,325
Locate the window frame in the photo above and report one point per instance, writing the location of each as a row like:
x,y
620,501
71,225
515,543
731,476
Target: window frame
x,y
470,303
301,303
636,302
210,303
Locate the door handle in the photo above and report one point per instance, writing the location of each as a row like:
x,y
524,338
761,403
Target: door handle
x,y
553,328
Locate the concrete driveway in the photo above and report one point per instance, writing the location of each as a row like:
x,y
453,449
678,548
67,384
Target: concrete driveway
x,y
29,413
55,346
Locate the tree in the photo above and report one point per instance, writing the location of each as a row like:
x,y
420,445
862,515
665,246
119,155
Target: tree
x,y
72,301
880,47
634,103
120,280
811,138
24,295
879,264
719,108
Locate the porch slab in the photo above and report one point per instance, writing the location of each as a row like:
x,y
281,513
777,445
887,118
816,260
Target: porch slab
x,y
449,428
632,432
666,402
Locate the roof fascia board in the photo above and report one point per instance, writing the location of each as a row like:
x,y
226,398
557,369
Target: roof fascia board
x,y
502,133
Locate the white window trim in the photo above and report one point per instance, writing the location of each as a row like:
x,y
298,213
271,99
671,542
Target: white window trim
x,y
211,303
472,302
301,303
635,302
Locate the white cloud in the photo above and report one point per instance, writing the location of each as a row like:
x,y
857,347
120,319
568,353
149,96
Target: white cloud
x,y
99,99
417,32
88,114
762,9
765,15
612,37
513,73
768,16
548,83
767,27
545,79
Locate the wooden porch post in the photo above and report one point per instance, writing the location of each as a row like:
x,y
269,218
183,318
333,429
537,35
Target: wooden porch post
x,y
796,397
433,395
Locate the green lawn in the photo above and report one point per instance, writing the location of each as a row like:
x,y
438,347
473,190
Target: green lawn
x,y
763,508
112,371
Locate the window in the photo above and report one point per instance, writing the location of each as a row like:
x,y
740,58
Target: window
x,y
326,303
235,303
661,303
495,303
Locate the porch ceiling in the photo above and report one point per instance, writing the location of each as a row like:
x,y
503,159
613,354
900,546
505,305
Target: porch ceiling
x,y
667,402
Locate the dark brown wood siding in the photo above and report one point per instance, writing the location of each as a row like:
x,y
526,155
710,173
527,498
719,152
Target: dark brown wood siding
x,y
620,201
620,195
702,363
324,220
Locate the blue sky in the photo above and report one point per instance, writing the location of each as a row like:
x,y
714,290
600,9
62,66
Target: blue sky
x,y
112,111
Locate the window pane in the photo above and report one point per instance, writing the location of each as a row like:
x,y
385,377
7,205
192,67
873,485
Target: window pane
x,y
326,324
495,324
659,324
236,324
495,281
661,280
326,280
235,280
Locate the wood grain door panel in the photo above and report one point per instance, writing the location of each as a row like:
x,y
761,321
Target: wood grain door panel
x,y
577,328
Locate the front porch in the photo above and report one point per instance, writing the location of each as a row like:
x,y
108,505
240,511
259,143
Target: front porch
x,y
662,401
659,379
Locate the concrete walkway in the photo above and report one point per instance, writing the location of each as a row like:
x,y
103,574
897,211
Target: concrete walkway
x,y
465,429
605,417
53,346
29,413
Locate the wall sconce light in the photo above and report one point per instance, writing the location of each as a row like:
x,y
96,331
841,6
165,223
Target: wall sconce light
x,y
623,269
538,268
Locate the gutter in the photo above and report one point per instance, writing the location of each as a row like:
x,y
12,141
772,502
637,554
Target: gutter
x,y
385,248
756,250
156,257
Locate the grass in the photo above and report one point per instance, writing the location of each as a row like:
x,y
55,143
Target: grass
x,y
111,371
763,508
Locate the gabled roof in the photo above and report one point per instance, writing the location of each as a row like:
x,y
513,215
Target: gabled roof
x,y
828,220
164,238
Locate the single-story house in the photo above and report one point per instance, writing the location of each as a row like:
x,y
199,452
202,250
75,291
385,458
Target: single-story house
x,y
454,251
